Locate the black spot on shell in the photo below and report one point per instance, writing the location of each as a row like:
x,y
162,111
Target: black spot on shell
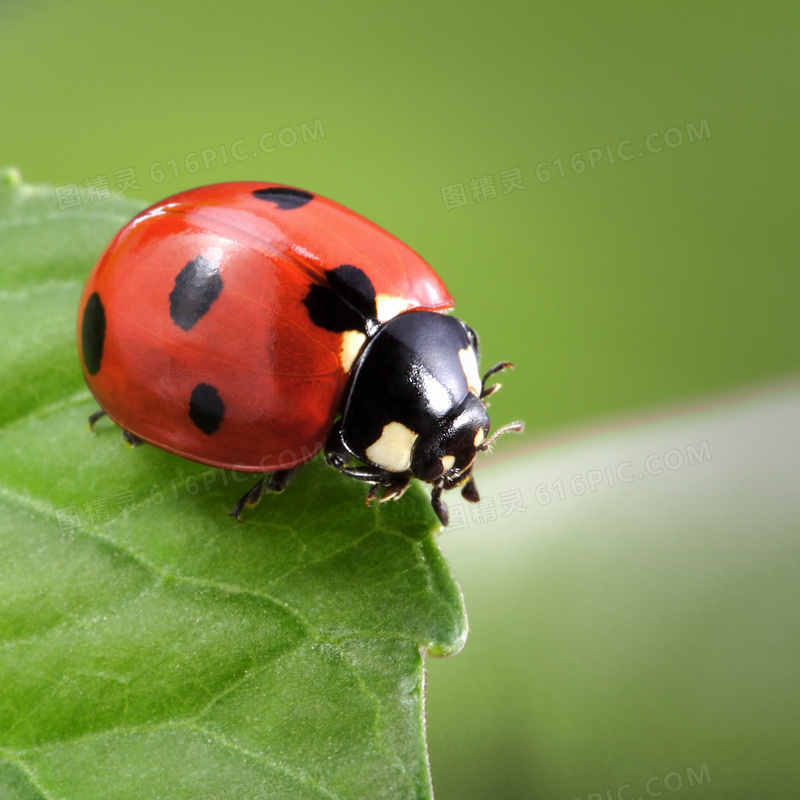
x,y
345,303
197,286
206,409
93,333
284,197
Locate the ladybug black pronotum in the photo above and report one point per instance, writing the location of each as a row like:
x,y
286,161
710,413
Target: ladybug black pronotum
x,y
250,325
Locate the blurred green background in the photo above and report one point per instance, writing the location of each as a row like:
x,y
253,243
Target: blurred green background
x,y
610,192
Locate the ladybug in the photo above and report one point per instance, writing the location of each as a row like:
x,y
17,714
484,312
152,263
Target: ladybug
x,y
250,325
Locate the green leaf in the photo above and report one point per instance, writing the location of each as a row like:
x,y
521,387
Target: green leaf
x,y
151,645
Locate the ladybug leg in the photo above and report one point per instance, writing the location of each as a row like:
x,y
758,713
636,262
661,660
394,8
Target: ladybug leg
x,y
96,416
275,482
395,489
488,391
249,499
131,438
278,481
439,506
470,491
393,483
386,486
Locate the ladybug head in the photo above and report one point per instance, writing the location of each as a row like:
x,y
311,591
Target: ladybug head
x,y
445,456
446,452
416,407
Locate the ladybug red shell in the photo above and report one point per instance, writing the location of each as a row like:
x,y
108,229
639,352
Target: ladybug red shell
x,y
228,324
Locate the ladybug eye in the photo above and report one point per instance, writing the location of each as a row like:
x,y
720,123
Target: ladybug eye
x,y
473,337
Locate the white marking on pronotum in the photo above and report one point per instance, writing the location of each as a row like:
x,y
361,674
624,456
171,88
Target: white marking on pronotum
x,y
447,463
392,450
352,342
469,363
389,306
479,437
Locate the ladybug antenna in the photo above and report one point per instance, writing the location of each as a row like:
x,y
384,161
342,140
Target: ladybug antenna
x,y
487,391
516,427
